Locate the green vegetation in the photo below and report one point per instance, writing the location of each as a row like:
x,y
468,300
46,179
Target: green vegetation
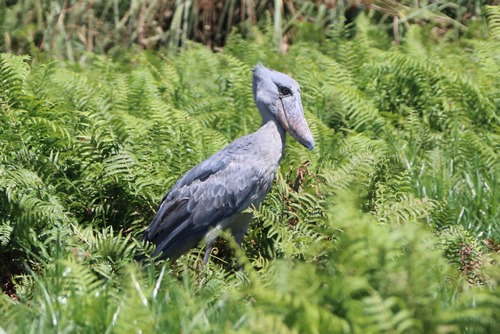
x,y
391,224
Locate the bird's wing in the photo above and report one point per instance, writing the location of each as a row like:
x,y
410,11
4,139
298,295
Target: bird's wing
x,y
219,187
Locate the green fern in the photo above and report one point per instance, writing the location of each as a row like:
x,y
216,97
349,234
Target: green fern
x,y
494,21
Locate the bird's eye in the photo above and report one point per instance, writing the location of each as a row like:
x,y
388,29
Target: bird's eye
x,y
284,91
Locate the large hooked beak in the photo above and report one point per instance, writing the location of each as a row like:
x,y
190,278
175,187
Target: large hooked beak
x,y
291,118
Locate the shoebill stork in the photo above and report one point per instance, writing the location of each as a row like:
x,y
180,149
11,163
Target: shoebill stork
x,y
211,196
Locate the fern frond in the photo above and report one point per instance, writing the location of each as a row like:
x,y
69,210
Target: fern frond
x,y
5,233
493,13
13,72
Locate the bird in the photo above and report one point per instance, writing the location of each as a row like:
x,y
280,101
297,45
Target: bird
x,y
213,195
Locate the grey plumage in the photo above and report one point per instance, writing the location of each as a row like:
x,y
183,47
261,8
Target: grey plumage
x,y
212,195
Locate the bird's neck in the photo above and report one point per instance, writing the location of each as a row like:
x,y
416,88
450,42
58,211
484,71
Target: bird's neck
x,y
276,132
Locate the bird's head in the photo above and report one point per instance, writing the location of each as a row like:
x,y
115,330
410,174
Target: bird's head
x,y
278,97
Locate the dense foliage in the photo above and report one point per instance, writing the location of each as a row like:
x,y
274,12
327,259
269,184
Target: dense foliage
x,y
391,224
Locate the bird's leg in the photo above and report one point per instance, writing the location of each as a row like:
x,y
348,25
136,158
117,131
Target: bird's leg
x,y
208,251
210,239
239,229
238,225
